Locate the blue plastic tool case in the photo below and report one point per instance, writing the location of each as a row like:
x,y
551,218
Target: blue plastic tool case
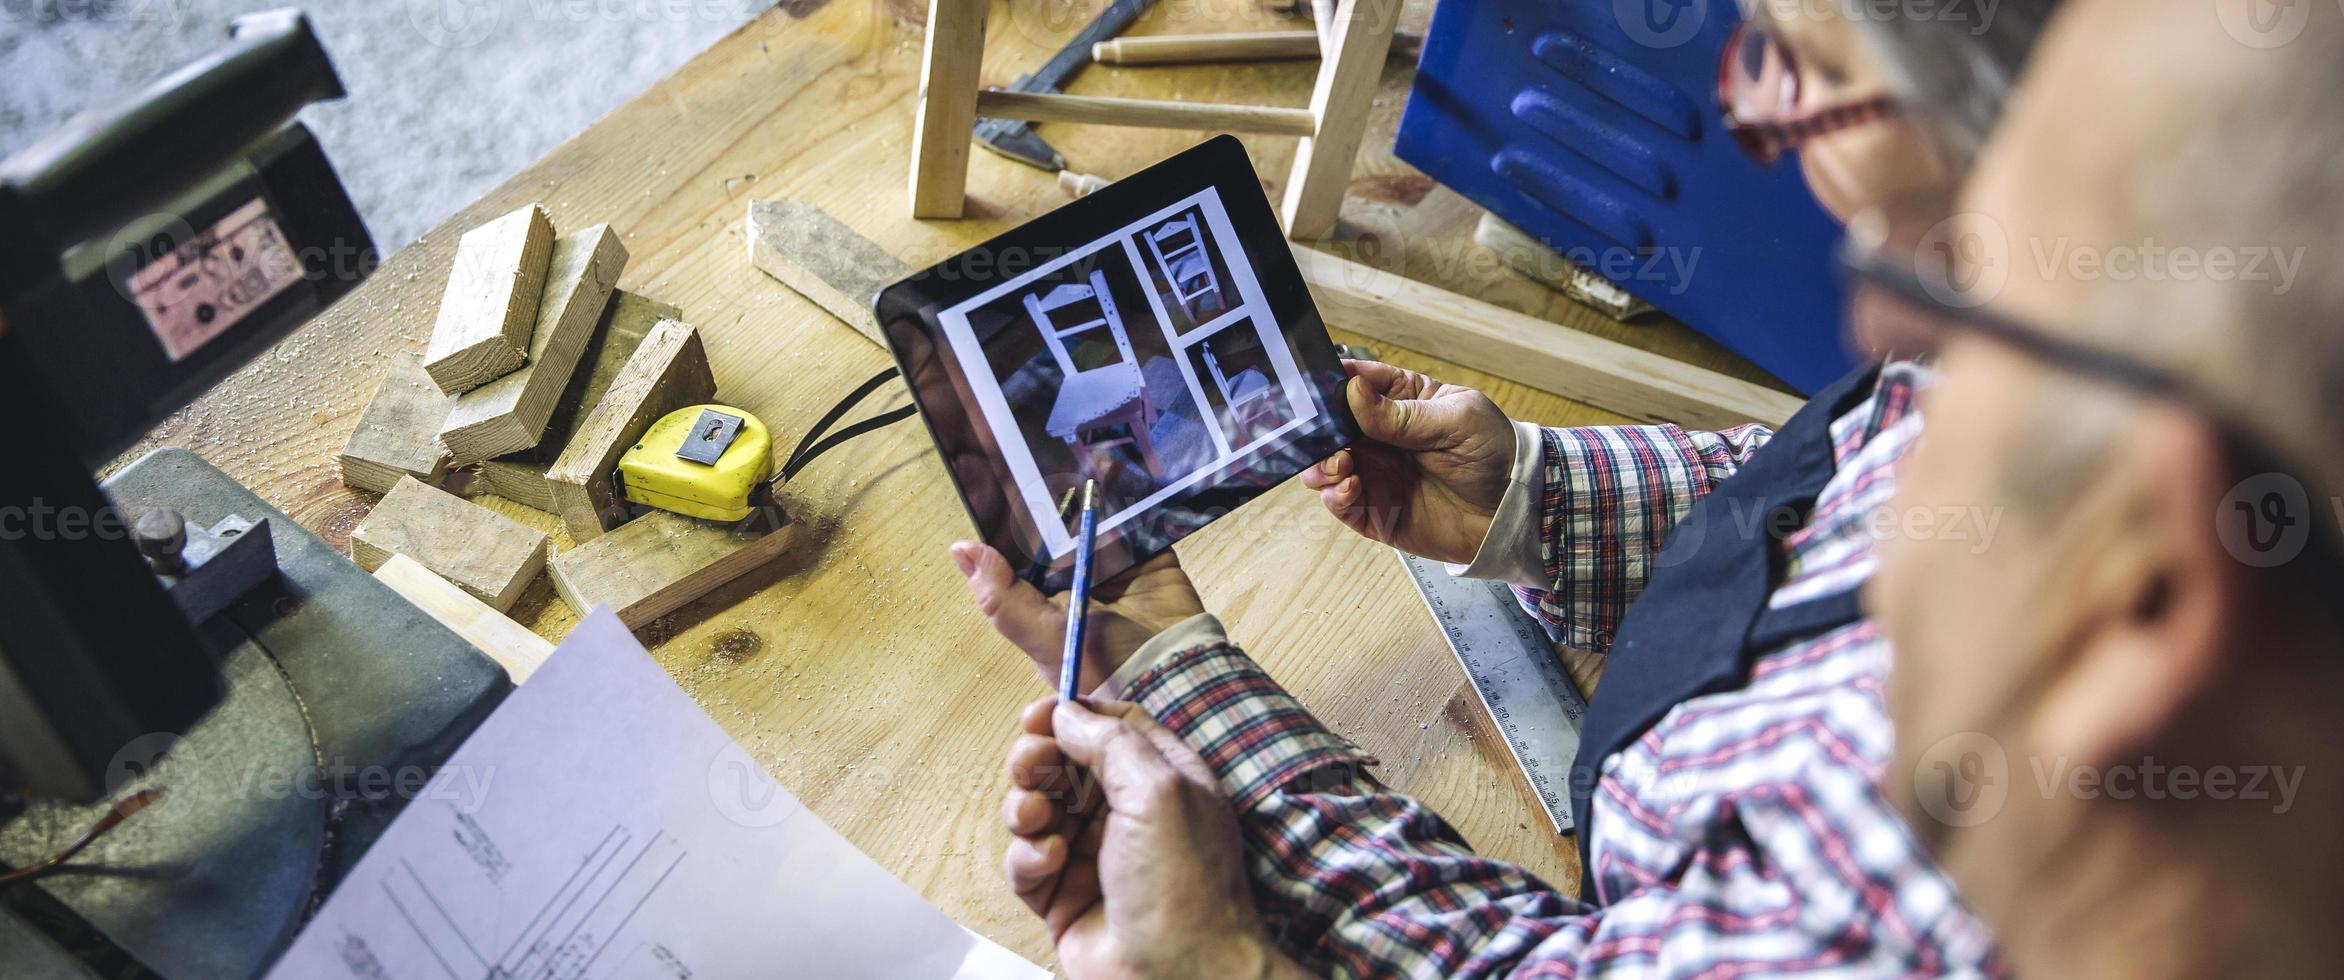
x,y
1593,125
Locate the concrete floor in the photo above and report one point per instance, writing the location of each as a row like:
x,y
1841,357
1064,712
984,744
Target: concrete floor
x,y
447,97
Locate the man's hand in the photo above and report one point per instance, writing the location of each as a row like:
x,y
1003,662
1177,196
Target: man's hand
x,y
1152,597
1436,463
1123,844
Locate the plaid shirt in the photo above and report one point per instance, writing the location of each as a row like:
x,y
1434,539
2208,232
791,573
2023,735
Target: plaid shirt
x,y
1746,833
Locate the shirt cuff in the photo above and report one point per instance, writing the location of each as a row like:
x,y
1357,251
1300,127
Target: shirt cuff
x,y
1195,631
1510,552
1253,734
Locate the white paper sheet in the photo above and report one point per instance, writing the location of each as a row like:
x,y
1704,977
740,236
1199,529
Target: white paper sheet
x,y
600,825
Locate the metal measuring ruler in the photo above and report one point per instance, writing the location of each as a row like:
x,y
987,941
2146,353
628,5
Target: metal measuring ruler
x,y
1512,664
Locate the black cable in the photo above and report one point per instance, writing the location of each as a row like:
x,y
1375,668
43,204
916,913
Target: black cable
x,y
867,425
816,443
831,417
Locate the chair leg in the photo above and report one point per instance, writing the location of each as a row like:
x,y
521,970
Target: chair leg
x,y
948,107
1349,71
1145,439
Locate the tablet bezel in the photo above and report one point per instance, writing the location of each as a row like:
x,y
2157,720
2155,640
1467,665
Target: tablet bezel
x,y
909,316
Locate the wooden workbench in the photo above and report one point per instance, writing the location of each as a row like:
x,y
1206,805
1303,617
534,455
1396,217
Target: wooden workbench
x,y
854,667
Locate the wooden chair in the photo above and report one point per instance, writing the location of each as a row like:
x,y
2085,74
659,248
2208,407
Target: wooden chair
x,y
1179,251
950,102
1106,405
1249,409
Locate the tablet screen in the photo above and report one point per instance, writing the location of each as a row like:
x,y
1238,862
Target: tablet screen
x,y
1155,337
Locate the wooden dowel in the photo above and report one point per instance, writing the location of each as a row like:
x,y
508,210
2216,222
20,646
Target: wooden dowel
x,y
1189,49
1153,113
1078,184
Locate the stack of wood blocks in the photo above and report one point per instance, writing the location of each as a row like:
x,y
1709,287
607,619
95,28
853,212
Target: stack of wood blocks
x,y
539,373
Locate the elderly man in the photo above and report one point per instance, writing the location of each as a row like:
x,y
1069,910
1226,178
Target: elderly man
x,y
2105,722
1728,792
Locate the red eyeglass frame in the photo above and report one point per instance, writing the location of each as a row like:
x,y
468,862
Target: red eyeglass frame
x,y
1766,140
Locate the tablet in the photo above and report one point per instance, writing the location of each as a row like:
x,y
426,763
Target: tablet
x,y
1154,336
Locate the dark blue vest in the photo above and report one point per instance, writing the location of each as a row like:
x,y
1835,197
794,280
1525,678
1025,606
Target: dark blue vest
x,y
1702,617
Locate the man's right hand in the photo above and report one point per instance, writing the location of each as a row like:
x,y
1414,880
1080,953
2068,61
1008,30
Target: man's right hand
x,y
1428,478
1126,848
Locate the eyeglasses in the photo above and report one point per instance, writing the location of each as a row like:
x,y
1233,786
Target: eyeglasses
x,y
1758,91
1923,300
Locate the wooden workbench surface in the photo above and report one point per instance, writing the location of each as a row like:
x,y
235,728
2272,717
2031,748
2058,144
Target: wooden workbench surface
x,y
854,667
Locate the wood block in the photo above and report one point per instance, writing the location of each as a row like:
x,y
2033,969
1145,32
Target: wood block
x,y
510,413
398,434
654,564
489,308
668,371
485,553
516,649
1358,41
520,477
1573,363
518,482
947,108
1534,259
823,259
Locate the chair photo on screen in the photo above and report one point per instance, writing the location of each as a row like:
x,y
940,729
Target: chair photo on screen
x,y
1248,397
1106,405
1179,250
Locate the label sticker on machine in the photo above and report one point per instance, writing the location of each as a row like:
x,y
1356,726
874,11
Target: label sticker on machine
x,y
206,284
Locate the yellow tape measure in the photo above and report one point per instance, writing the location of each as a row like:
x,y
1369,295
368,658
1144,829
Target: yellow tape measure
x,y
715,462
706,461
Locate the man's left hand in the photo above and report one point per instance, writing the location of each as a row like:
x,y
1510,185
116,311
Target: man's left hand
x,y
1152,597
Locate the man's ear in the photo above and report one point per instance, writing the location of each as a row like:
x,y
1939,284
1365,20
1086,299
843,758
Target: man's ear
x,y
2160,595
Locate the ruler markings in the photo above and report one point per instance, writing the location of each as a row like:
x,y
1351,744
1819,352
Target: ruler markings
x,y
1511,662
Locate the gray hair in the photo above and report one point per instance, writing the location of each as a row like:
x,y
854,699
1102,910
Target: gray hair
x,y
1951,63
2254,163
2241,154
